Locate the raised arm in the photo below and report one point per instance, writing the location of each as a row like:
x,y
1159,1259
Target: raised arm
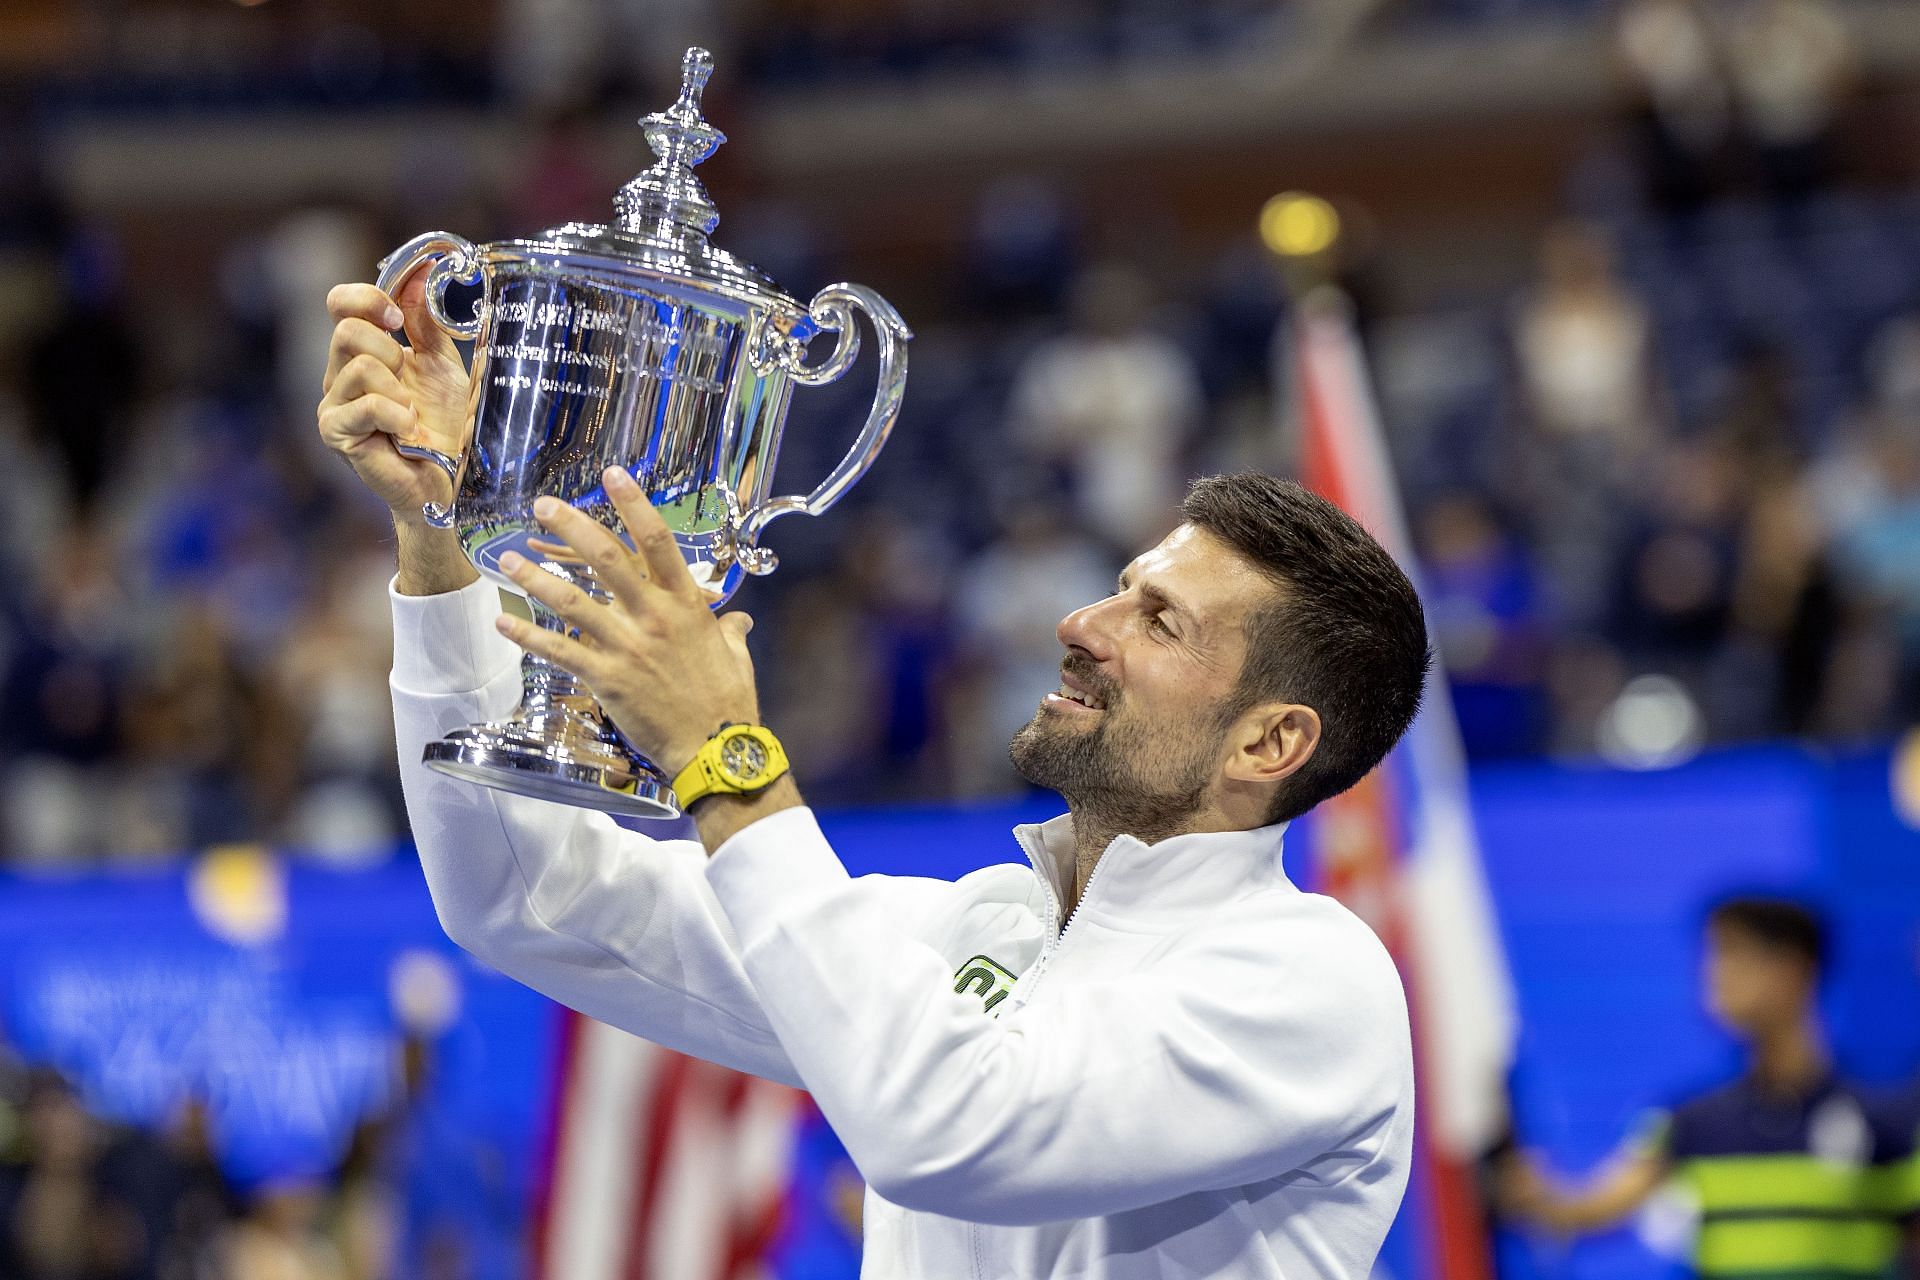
x,y
616,924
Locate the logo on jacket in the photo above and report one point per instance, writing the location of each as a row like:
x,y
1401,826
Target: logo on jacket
x,y
990,981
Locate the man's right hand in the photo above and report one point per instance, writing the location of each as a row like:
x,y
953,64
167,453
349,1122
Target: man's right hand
x,y
378,393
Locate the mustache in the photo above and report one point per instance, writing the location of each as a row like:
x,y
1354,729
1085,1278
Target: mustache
x,y
1084,670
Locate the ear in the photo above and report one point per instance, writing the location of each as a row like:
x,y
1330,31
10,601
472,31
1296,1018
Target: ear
x,y
1271,742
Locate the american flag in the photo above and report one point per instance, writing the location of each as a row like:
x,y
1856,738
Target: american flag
x,y
661,1166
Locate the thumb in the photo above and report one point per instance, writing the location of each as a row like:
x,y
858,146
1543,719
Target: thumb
x,y
736,626
423,331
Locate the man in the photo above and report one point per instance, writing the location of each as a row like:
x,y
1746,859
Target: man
x,y
1793,1173
1148,1055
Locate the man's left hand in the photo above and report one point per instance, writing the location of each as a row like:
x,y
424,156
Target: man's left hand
x,y
663,666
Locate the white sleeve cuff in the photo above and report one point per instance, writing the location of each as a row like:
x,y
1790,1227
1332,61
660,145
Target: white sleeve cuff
x,y
780,863
446,644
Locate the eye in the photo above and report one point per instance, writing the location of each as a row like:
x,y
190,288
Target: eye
x,y
1159,624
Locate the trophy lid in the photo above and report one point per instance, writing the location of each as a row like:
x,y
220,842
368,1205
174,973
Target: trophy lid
x,y
663,217
668,194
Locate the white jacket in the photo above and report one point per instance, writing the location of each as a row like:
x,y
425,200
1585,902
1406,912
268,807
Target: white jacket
x,y
1206,1073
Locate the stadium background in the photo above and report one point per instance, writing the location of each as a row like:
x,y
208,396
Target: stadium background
x,y
1641,324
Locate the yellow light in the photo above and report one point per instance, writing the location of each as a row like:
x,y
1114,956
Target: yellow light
x,y
1904,782
239,892
1296,225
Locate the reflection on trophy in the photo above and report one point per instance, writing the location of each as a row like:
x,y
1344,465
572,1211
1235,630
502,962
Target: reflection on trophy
x,y
643,346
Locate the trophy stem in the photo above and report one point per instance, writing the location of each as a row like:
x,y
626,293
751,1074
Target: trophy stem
x,y
558,744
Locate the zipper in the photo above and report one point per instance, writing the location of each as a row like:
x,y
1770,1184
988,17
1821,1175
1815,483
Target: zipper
x,y
1056,936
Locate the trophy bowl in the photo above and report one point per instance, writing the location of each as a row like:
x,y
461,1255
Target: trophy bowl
x,y
638,345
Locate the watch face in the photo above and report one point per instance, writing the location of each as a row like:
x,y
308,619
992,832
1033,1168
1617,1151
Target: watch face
x,y
743,756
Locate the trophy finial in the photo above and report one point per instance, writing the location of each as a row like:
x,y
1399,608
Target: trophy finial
x,y
681,137
696,67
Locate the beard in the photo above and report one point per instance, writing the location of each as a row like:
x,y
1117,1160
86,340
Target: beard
x,y
1123,774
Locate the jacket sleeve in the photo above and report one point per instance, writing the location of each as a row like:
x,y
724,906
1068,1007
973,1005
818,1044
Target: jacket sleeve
x,y
1220,1071
619,925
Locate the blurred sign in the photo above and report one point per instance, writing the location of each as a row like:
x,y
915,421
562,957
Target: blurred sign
x,y
147,990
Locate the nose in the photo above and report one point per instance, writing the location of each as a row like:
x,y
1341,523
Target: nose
x,y
1087,629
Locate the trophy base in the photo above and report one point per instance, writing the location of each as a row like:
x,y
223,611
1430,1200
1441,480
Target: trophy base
x,y
509,758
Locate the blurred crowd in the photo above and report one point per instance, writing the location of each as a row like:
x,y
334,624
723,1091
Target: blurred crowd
x,y
1665,485
84,1198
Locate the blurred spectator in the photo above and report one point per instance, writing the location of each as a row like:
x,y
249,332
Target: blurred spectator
x,y
421,1196
1790,62
1673,610
283,1237
1784,1163
863,655
83,368
1483,610
66,679
330,676
1113,403
1009,603
1582,341
57,1219
176,1191
211,740
1681,104
306,254
556,53
1020,252
1875,556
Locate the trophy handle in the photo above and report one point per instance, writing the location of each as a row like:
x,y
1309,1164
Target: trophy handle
x,y
832,309
453,258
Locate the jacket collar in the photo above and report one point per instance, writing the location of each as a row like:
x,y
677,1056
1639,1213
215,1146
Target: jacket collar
x,y
1182,874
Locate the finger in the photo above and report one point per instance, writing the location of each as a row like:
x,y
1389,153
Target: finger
x,y
616,567
659,550
355,337
553,550
580,610
366,376
424,333
345,427
363,302
734,628
562,650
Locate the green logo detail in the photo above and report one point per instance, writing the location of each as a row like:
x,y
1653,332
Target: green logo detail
x,y
986,979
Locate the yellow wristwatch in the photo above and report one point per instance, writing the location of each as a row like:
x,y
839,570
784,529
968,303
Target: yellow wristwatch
x,y
737,761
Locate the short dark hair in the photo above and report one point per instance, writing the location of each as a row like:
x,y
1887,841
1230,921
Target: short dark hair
x,y
1778,924
1345,634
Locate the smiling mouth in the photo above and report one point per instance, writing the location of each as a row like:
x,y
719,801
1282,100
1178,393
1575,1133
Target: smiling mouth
x,y
1068,697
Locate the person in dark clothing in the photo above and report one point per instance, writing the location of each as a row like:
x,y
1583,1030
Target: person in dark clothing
x,y
1792,1171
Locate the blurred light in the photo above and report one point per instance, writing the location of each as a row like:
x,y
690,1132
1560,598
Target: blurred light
x,y
424,990
1653,724
1904,782
249,4
1296,225
239,893
1669,1222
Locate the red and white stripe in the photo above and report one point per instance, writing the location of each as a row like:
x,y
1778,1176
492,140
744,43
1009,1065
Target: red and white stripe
x,y
662,1167
1410,863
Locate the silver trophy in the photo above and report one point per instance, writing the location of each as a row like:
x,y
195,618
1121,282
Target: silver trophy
x,y
638,345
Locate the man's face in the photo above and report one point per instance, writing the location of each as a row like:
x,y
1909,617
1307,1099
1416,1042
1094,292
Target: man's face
x,y
1752,987
1158,661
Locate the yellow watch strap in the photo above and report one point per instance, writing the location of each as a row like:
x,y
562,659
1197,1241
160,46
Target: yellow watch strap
x,y
705,776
